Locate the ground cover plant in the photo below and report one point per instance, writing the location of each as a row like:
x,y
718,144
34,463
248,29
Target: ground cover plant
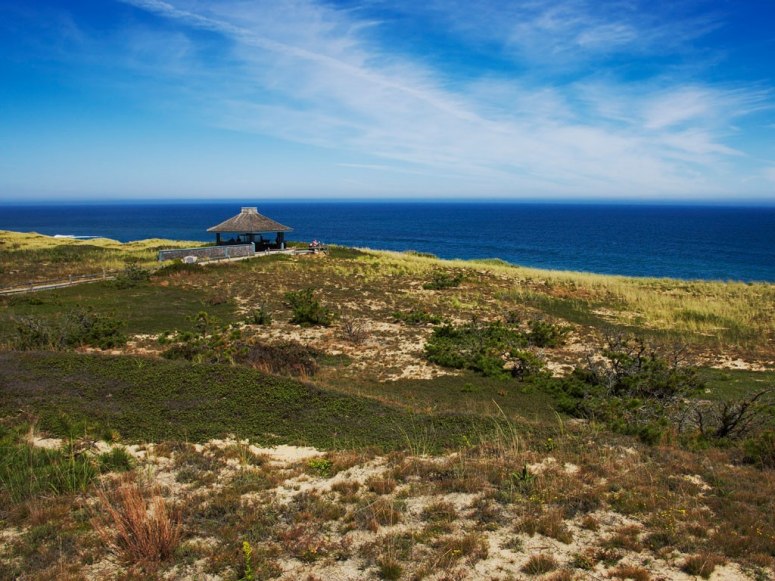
x,y
517,424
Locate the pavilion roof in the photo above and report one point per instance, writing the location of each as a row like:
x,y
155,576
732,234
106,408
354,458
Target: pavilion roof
x,y
249,221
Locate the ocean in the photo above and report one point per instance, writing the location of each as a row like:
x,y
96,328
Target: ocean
x,y
692,242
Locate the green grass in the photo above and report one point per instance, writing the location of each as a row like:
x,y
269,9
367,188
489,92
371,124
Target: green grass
x,y
26,471
27,257
155,400
469,392
146,308
729,384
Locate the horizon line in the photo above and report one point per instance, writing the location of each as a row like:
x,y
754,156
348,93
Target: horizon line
x,y
744,202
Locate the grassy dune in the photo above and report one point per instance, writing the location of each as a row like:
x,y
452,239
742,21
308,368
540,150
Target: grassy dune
x,y
30,257
124,463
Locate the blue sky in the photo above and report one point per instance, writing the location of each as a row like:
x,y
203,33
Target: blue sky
x,y
551,100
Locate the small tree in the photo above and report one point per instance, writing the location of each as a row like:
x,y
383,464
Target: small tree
x,y
307,310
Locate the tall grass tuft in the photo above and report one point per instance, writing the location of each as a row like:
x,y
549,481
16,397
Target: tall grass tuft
x,y
137,524
26,471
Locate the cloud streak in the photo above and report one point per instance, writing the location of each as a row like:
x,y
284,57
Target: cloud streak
x,y
313,74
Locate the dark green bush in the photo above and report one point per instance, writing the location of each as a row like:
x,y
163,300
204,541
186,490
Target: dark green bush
x,y
633,387
544,334
525,364
422,254
25,299
75,328
259,316
417,317
307,310
481,347
131,276
441,280
210,344
760,449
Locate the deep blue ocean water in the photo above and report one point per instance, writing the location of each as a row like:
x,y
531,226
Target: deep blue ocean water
x,y
698,242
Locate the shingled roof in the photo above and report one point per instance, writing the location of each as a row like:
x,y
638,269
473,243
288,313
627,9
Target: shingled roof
x,y
249,221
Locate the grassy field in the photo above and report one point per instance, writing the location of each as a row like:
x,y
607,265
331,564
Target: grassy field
x,y
154,400
28,257
273,449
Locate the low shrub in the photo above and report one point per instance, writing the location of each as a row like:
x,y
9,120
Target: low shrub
x,y
210,344
545,334
421,254
760,449
481,347
416,317
442,280
286,358
307,310
353,331
131,276
75,328
259,316
117,460
524,364
633,387
540,564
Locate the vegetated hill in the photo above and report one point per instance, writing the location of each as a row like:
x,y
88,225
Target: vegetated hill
x,y
470,419
147,400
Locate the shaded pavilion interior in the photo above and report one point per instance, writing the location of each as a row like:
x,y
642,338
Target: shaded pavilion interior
x,y
249,227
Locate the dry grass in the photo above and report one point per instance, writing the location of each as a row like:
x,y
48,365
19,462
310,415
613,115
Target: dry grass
x,y
540,564
137,524
702,565
30,257
630,572
733,311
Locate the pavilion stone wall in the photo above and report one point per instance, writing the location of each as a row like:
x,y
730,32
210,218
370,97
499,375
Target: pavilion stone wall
x,y
209,252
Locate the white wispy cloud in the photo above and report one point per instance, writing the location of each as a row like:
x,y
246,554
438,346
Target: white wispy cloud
x,y
313,74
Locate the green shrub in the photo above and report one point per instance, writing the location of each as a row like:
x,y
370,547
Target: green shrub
x,y
525,364
131,276
441,280
259,316
321,466
117,460
544,334
760,449
481,347
633,387
307,310
227,345
74,328
212,344
419,253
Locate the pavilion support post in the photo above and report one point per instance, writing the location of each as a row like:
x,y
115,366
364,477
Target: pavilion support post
x,y
218,238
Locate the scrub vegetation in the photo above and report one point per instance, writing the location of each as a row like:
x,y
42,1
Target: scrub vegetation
x,y
379,415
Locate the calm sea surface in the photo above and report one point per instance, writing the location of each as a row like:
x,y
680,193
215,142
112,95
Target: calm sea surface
x,y
641,240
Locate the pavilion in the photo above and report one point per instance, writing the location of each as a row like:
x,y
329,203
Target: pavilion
x,y
250,226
